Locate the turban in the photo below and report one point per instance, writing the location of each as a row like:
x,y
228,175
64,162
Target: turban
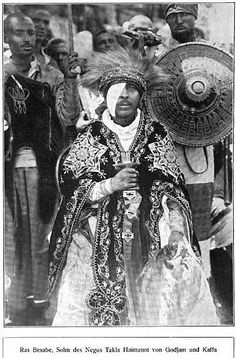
x,y
181,7
120,74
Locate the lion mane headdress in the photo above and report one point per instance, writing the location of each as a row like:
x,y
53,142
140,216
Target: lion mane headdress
x,y
121,65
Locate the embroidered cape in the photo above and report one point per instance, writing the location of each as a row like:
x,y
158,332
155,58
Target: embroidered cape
x,y
91,159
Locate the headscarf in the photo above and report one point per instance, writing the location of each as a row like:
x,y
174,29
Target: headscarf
x,y
181,7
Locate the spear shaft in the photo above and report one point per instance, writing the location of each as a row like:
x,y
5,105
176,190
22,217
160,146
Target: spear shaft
x,y
77,69
70,27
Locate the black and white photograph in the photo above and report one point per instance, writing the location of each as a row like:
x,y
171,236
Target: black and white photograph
x,y
118,164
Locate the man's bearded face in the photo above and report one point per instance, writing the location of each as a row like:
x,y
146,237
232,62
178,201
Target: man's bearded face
x,y
181,25
41,20
123,100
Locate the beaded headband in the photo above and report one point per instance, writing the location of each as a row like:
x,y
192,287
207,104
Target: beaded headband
x,y
122,73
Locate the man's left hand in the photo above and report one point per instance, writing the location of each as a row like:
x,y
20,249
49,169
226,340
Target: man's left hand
x,y
173,242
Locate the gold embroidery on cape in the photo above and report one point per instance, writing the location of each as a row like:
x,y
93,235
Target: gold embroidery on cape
x,y
107,299
63,241
85,156
163,157
172,192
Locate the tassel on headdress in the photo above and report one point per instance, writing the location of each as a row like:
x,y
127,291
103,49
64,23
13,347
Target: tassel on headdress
x,y
105,69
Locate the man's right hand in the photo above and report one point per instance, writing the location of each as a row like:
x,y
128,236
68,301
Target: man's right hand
x,y
72,66
125,179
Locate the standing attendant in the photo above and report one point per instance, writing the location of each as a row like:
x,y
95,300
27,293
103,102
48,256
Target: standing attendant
x,y
29,171
197,164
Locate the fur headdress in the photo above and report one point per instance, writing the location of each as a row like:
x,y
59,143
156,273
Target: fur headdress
x,y
121,65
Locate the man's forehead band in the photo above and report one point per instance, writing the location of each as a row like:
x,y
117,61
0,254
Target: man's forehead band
x,y
122,73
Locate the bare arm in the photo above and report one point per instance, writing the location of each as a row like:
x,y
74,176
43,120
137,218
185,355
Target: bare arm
x,y
67,97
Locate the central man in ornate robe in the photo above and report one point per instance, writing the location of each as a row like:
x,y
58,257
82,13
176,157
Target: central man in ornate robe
x,y
122,251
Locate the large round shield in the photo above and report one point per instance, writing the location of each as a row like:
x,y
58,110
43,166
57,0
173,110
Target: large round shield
x,y
195,104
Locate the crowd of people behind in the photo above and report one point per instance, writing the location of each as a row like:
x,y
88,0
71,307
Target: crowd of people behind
x,y
45,171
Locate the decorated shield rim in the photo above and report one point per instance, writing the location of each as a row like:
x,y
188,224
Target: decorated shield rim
x,y
195,43
182,140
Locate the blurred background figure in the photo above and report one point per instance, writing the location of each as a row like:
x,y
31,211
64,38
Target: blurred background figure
x,y
136,23
57,49
41,20
49,36
92,101
104,41
140,22
138,33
